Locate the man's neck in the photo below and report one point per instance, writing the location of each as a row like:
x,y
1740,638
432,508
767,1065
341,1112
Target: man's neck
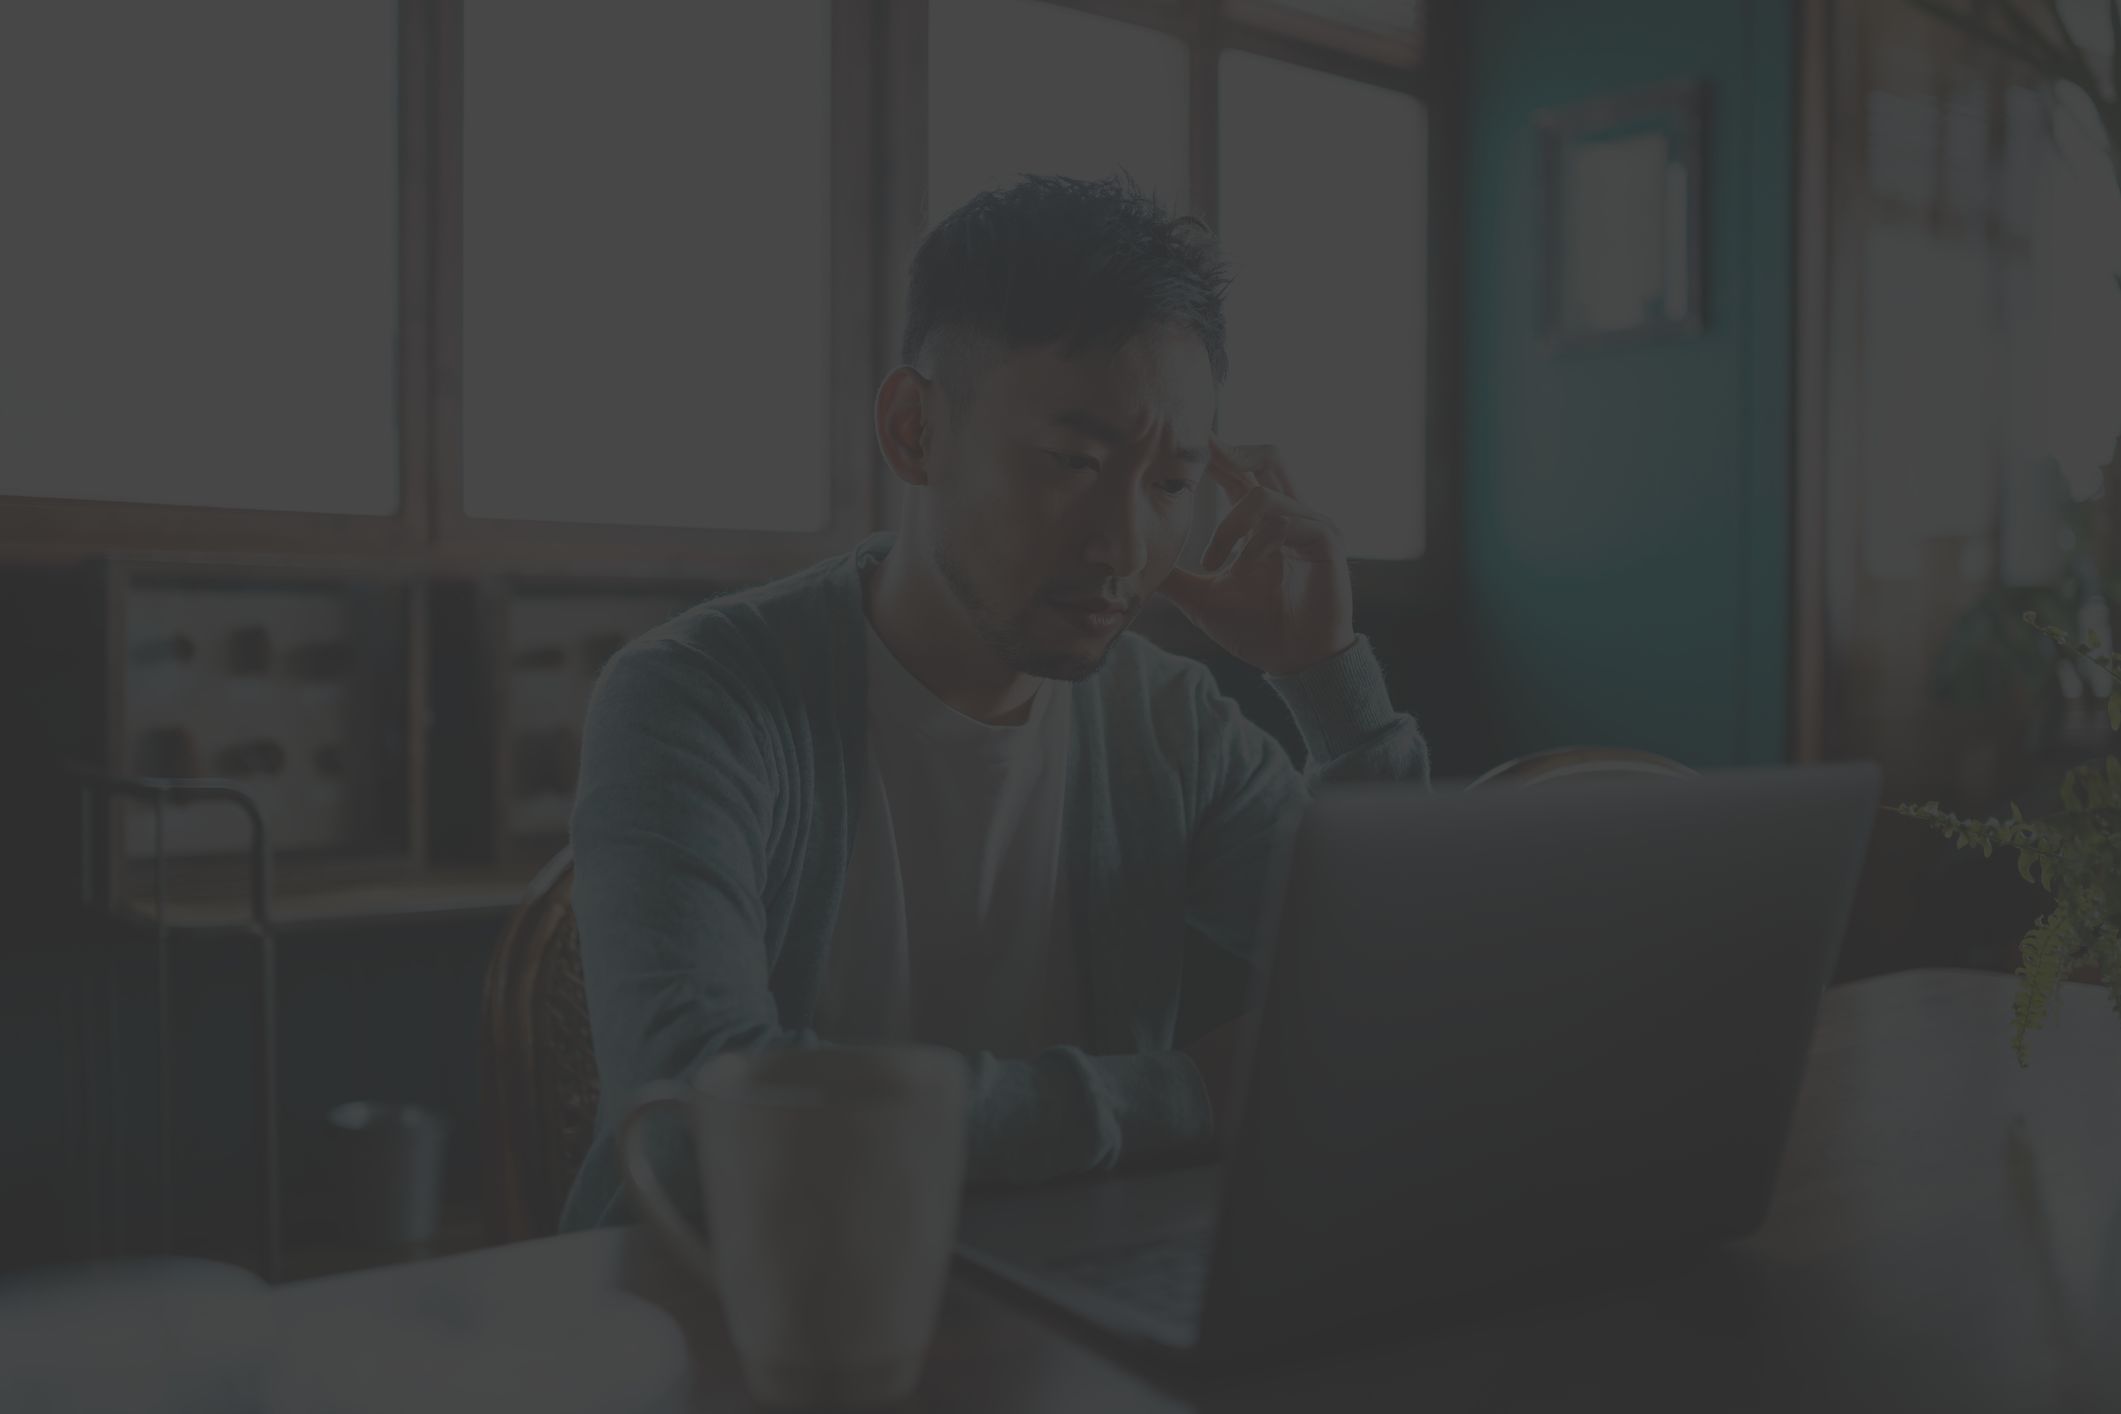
x,y
928,632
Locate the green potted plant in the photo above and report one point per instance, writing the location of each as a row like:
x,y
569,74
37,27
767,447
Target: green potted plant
x,y
2074,853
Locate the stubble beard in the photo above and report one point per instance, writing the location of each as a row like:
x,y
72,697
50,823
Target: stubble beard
x,y
1010,639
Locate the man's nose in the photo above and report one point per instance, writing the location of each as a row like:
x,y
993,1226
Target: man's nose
x,y
1119,539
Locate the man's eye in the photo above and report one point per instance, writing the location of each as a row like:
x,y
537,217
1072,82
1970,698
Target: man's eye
x,y
1176,486
1073,461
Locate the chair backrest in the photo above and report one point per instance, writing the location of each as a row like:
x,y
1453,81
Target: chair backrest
x,y
1563,764
537,1070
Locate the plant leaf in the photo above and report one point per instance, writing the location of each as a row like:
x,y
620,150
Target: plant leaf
x,y
2044,956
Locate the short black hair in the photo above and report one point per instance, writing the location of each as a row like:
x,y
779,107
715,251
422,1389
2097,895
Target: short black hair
x,y
1083,263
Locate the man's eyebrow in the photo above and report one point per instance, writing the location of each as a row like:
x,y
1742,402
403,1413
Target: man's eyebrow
x,y
1089,423
1084,421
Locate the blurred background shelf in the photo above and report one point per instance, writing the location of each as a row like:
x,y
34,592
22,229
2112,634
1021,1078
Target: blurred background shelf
x,y
435,896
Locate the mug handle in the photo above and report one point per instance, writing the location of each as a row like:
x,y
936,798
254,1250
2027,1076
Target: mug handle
x,y
648,1191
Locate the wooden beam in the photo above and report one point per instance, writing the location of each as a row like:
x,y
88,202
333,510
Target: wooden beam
x,y
901,200
1398,74
1179,17
417,94
1443,470
446,347
1812,345
854,258
1378,48
1203,120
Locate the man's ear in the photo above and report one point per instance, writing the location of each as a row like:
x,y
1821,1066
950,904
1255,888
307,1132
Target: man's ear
x,y
904,430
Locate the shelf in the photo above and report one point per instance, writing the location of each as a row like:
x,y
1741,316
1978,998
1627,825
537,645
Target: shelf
x,y
426,898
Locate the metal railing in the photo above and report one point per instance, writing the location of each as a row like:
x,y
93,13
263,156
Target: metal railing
x,y
97,890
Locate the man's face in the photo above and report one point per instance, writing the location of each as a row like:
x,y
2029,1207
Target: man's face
x,y
1061,496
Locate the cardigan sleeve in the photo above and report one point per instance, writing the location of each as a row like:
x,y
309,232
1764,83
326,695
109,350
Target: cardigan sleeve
x,y
1252,796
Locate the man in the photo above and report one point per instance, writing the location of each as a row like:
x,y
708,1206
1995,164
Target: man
x,y
933,790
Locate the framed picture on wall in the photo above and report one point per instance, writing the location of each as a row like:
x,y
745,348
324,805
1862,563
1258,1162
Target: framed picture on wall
x,y
1620,220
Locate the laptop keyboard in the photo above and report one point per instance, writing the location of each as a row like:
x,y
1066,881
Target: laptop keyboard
x,y
1166,1278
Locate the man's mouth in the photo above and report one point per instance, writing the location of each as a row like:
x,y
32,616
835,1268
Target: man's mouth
x,y
1094,612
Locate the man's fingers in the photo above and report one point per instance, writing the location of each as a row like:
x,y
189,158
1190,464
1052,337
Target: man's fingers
x,y
1185,586
1272,534
1255,463
1296,521
1303,535
1190,589
1232,477
1273,471
1311,531
1235,526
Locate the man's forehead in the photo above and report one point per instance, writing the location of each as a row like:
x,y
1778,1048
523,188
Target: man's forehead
x,y
1132,391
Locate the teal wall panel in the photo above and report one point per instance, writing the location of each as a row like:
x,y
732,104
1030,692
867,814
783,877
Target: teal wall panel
x,y
1627,523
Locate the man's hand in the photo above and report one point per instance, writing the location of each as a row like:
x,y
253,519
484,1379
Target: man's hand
x,y
1217,1055
1273,588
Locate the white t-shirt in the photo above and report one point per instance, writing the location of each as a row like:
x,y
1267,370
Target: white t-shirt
x,y
953,928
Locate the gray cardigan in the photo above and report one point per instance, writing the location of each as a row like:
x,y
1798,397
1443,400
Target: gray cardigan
x,y
722,765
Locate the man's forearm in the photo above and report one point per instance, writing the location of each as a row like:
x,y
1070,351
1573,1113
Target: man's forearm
x,y
1065,1112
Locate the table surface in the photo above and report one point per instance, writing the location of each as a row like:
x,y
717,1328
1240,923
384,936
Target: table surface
x,y
1946,1236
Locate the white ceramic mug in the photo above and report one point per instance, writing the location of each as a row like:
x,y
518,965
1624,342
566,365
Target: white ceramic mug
x,y
830,1181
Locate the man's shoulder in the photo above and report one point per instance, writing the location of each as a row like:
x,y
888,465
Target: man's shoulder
x,y
751,642
808,595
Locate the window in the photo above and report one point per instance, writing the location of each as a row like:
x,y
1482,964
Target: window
x,y
1315,111
526,284
1326,315
1027,86
646,265
1990,323
1968,340
201,249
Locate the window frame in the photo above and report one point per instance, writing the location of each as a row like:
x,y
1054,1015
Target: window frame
x,y
738,555
879,180
46,529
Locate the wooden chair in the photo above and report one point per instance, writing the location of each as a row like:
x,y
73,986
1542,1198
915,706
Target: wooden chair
x,y
537,1070
1564,764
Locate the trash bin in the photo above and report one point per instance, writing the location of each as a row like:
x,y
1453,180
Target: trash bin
x,y
392,1160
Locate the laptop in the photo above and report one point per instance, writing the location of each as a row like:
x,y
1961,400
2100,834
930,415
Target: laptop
x,y
1509,1042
